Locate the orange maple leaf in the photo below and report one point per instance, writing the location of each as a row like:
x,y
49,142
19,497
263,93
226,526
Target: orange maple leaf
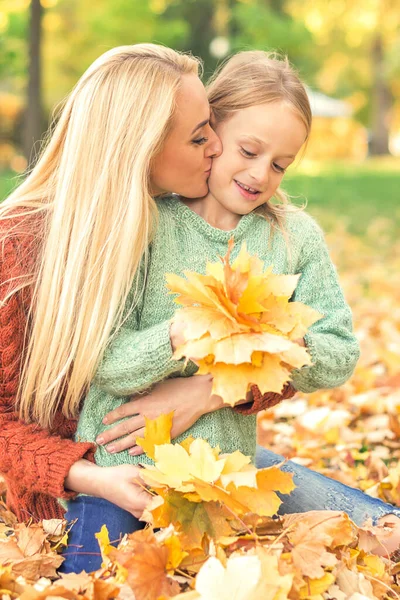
x,y
147,563
240,326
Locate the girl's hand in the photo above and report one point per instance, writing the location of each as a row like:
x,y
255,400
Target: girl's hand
x,y
120,485
188,397
176,335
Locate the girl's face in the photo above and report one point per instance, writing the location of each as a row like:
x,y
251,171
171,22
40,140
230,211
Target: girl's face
x,y
183,166
259,142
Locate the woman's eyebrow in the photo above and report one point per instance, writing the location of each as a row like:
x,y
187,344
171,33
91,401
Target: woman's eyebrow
x,y
200,125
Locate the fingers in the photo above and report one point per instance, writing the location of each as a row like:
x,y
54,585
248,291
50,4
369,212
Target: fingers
x,y
130,426
127,409
125,443
141,501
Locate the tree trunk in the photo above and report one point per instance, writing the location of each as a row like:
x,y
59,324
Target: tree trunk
x,y
381,102
33,114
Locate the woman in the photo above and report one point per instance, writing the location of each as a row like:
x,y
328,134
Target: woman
x,y
72,235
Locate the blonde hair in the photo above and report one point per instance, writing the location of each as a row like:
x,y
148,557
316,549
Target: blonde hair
x,y
255,77
90,191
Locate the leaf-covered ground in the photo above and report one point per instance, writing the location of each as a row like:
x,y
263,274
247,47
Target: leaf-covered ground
x,y
351,434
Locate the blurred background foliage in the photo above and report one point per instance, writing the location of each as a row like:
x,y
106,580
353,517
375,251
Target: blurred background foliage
x,y
347,52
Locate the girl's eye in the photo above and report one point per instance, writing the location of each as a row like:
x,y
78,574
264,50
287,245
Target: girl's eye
x,y
278,168
247,153
200,141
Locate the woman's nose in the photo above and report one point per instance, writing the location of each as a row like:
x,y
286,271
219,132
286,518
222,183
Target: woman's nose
x,y
214,148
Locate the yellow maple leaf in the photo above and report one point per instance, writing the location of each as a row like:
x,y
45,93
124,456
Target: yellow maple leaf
x,y
240,326
175,552
103,539
176,467
262,498
157,432
316,587
272,584
237,580
232,382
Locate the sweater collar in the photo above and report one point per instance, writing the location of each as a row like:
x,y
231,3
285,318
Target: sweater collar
x,y
185,215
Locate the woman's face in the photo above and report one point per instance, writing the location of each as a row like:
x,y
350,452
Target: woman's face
x,y
260,142
183,166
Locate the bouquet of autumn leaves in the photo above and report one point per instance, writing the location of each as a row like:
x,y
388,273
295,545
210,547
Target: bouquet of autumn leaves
x,y
240,326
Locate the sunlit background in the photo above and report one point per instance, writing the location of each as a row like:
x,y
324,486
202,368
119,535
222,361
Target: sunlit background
x,y
347,52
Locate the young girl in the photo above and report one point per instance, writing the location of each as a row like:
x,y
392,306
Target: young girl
x,y
263,117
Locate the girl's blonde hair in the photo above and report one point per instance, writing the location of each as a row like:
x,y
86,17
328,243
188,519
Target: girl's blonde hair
x,y
90,191
255,77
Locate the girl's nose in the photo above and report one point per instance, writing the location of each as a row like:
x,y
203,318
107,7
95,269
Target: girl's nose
x,y
260,174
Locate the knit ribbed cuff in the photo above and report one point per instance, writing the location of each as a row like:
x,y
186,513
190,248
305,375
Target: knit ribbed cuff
x,y
159,341
59,464
304,379
264,401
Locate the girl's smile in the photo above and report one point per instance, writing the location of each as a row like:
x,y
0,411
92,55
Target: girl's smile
x,y
246,191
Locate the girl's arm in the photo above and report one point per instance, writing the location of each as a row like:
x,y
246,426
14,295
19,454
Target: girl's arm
x,y
136,359
331,342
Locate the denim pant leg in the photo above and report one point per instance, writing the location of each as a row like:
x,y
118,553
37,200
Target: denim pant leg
x,y
83,552
318,492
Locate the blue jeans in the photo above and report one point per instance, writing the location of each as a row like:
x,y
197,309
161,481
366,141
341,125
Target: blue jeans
x,y
318,492
83,552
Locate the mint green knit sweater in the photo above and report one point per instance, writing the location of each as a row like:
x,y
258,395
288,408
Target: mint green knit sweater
x,y
141,355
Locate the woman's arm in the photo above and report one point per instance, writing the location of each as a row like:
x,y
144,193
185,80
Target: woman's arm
x,y
120,485
32,459
334,348
188,397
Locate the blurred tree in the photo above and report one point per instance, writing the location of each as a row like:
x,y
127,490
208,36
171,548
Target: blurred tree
x,y
14,18
347,48
357,43
199,16
76,34
267,25
33,128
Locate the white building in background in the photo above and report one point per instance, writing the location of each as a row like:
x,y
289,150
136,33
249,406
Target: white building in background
x,y
324,106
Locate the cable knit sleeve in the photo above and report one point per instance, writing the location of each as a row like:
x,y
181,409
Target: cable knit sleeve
x,y
331,342
136,359
31,459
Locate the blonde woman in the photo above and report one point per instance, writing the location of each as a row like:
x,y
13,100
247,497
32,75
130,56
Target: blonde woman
x,y
263,118
136,125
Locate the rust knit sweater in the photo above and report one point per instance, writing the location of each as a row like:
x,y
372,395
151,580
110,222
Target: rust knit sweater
x,y
34,461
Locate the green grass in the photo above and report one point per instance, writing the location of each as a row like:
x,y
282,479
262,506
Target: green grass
x,y
8,180
357,194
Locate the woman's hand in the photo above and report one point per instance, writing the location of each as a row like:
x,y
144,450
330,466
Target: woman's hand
x,y
188,397
120,485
